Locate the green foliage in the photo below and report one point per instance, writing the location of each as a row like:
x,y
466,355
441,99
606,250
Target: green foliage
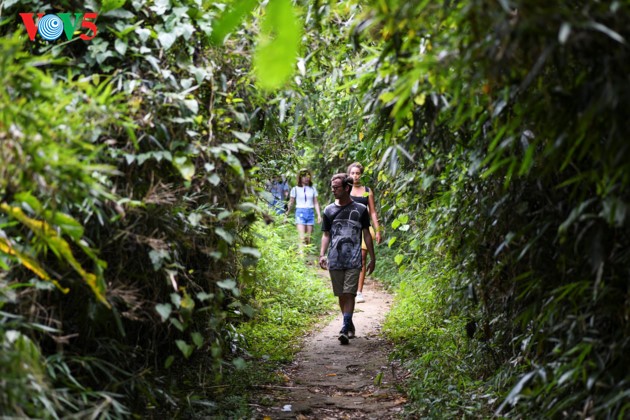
x,y
287,295
493,134
503,139
445,367
286,298
277,43
130,168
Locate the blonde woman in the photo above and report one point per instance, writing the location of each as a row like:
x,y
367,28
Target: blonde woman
x,y
304,196
364,195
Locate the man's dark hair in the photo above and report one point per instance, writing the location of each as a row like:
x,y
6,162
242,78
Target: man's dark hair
x,y
346,180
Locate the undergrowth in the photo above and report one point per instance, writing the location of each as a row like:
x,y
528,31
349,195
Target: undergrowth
x,y
287,295
288,298
444,379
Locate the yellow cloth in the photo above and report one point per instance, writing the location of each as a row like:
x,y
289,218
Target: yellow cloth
x,y
373,233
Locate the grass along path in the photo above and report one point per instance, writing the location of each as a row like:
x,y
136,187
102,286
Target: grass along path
x,y
328,380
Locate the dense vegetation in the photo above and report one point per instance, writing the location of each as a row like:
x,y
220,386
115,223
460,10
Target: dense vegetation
x,y
496,137
131,168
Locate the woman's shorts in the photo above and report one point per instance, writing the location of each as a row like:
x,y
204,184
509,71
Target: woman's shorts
x,y
373,233
305,216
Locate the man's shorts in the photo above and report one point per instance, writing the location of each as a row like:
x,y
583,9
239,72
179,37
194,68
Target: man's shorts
x,y
345,281
305,216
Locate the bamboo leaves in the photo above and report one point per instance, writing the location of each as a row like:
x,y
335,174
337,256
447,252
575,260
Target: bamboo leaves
x,y
53,241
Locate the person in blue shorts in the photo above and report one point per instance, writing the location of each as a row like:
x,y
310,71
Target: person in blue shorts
x,y
304,196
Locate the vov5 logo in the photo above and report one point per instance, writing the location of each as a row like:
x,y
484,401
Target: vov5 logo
x,y
51,26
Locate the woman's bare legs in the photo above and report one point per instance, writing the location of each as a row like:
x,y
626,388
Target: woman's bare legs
x,y
302,234
360,299
308,232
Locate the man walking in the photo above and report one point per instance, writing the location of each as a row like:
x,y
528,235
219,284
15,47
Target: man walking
x,y
344,223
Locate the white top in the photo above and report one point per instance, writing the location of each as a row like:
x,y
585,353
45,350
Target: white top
x,y
304,197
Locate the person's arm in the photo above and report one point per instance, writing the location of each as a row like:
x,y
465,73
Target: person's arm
x,y
374,216
285,191
291,201
319,214
323,261
370,248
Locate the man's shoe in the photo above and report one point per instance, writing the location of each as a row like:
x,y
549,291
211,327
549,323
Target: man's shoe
x,y
343,337
351,334
359,298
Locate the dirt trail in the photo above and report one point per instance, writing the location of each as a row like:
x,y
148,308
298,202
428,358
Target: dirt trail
x,y
332,381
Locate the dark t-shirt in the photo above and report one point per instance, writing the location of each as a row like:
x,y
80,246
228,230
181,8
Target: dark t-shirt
x,y
363,199
345,224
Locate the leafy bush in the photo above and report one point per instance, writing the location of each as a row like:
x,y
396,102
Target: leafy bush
x,y
287,295
502,123
124,184
493,133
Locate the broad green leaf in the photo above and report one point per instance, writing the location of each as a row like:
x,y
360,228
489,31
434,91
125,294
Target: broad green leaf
x,y
227,22
177,324
228,284
169,361
158,256
244,137
164,310
197,339
235,164
278,45
398,259
120,46
227,236
176,299
204,296
248,310
185,167
239,363
31,201
192,105
167,39
111,5
250,251
184,347
67,224
214,179
194,218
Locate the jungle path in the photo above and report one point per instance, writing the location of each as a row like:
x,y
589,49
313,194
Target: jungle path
x,y
328,380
